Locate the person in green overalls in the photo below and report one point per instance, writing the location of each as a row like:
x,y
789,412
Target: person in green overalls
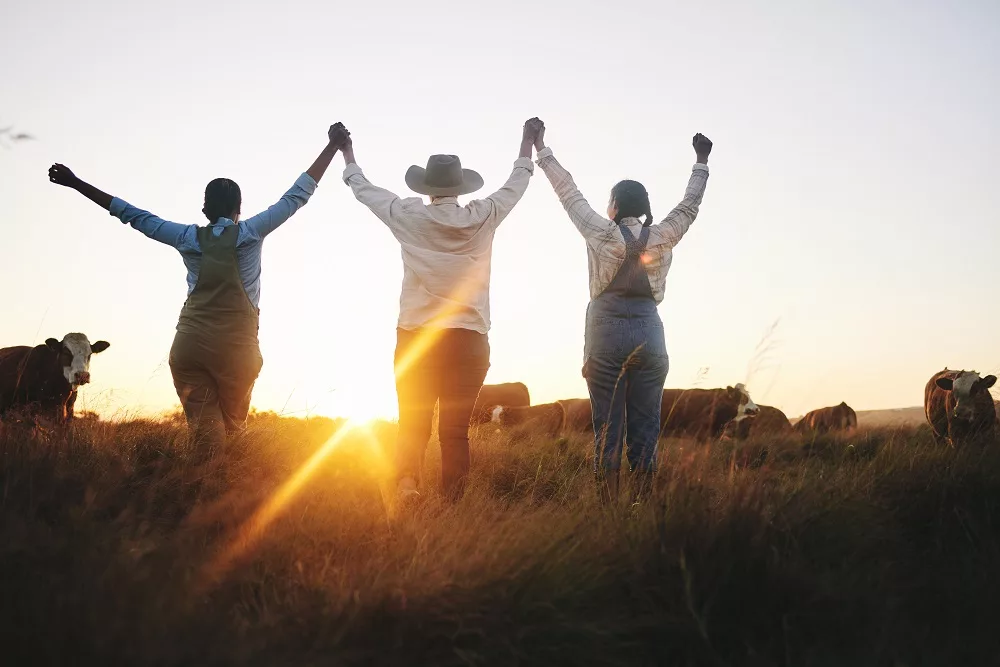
x,y
215,358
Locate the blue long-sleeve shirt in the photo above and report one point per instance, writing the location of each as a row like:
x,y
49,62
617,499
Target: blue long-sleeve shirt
x,y
249,239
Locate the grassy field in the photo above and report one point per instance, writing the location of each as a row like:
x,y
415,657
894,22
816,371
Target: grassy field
x,y
119,546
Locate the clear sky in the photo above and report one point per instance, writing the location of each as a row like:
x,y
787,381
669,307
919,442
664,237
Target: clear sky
x,y
853,198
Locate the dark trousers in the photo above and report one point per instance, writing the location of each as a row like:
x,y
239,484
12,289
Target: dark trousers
x,y
445,367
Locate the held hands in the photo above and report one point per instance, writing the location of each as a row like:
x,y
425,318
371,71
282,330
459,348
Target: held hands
x,y
62,175
702,147
340,137
534,133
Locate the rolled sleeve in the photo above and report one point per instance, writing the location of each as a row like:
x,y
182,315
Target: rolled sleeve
x,y
352,170
117,209
525,163
307,184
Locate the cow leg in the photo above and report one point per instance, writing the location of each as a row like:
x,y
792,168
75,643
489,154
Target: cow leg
x,y
606,385
198,393
465,361
417,387
235,381
70,406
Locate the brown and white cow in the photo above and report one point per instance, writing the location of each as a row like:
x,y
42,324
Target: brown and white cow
x,y
545,419
959,406
824,420
44,379
703,414
768,421
508,394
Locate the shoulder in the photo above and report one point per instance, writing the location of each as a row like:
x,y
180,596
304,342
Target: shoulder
x,y
247,235
413,203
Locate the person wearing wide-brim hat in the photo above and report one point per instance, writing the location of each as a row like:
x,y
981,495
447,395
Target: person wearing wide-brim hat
x,y
442,346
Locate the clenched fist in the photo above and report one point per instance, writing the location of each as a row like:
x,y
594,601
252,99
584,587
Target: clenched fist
x,y
702,147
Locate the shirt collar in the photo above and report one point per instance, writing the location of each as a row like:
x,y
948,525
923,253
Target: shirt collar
x,y
222,222
446,200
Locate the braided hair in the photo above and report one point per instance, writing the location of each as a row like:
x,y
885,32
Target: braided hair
x,y
222,199
632,201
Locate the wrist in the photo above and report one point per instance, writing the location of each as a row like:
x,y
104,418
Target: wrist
x,y
702,159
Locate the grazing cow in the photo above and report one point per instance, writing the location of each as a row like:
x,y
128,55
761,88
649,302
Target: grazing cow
x,y
703,414
509,395
836,418
45,378
767,421
959,407
545,419
578,418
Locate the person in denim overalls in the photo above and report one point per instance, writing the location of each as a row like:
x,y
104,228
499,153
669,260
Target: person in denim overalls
x,y
625,351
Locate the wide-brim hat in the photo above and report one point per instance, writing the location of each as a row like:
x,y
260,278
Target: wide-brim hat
x,y
443,177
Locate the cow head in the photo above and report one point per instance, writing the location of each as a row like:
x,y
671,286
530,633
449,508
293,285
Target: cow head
x,y
965,387
745,405
74,355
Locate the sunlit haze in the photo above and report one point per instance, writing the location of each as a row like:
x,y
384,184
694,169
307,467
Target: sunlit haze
x,y
846,248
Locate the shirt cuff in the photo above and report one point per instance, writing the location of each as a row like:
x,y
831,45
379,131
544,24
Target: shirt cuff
x,y
307,183
352,170
118,207
526,163
698,166
544,153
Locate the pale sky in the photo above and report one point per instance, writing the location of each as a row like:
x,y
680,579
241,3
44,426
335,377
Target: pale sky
x,y
853,197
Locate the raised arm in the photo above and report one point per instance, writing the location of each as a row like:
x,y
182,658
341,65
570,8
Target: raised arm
x,y
499,204
63,175
594,227
673,227
304,187
156,228
383,203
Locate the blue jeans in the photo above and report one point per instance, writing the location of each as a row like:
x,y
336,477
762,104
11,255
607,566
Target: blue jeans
x,y
625,372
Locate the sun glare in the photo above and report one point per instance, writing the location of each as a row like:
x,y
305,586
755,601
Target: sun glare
x,y
360,415
250,533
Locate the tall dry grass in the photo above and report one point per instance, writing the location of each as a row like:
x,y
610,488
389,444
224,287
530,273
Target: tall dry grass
x,y
119,545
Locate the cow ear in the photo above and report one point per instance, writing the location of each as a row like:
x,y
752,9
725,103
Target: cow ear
x,y
987,382
945,383
53,344
100,346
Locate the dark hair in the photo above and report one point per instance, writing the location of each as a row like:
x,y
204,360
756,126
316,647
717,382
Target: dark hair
x,y
632,201
222,199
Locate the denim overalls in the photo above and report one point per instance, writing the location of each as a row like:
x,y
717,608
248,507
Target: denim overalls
x,y
623,326
215,357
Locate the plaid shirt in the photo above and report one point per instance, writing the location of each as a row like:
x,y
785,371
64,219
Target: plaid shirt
x,y
605,244
446,249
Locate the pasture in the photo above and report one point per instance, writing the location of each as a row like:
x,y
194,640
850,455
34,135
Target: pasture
x,y
120,546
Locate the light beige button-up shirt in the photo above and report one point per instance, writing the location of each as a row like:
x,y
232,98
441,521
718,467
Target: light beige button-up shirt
x,y
446,249
605,243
